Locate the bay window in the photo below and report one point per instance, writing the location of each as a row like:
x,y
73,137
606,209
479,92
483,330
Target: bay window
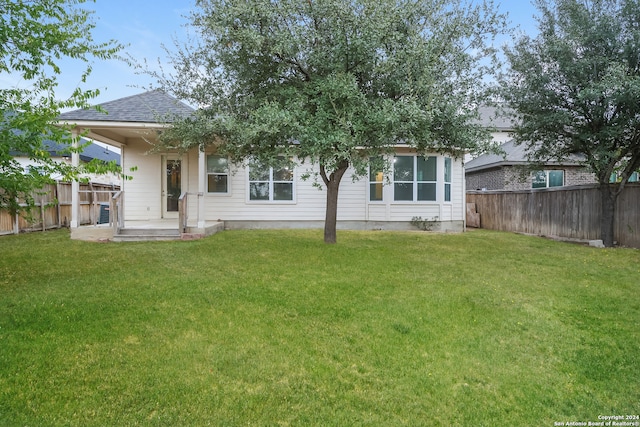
x,y
414,178
447,179
376,178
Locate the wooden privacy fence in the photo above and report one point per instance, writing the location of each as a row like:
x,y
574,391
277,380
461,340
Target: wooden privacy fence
x,y
53,208
566,212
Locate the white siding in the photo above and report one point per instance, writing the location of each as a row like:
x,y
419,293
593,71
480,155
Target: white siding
x,y
457,208
308,204
500,137
390,210
143,195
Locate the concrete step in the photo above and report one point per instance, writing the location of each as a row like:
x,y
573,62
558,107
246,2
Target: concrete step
x,y
143,238
149,232
146,234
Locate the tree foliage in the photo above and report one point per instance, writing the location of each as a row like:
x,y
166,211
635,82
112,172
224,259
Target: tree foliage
x,y
334,82
576,90
35,37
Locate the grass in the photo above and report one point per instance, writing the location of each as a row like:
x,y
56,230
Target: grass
x,y
276,328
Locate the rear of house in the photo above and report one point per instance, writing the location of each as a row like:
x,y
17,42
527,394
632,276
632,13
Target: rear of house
x,y
256,196
213,190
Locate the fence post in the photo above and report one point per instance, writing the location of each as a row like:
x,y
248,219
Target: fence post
x,y
58,207
42,216
16,223
92,214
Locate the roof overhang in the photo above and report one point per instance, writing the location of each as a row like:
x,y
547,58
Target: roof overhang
x,y
116,134
498,165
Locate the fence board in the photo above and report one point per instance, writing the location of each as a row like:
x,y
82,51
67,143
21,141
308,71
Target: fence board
x,y
53,207
567,212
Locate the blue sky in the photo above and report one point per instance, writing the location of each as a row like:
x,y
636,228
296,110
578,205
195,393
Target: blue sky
x,y
144,26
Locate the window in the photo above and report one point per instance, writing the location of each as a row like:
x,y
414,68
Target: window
x,y
35,170
634,177
376,177
414,178
217,174
544,179
270,184
447,179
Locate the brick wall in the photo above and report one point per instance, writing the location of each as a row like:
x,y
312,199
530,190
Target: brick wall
x,y
490,179
516,178
578,176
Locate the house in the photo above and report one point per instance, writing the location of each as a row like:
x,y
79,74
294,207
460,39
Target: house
x,y
89,152
510,170
499,122
203,188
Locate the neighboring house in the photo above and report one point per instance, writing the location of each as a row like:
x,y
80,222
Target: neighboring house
x,y
90,152
500,124
510,171
431,187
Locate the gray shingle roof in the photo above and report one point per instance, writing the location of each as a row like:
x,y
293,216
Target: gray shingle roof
x,y
493,117
513,155
90,152
149,107
94,151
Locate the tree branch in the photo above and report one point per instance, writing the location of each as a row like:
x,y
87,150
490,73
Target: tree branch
x,y
323,173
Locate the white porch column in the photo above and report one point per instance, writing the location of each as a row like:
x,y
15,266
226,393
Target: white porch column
x,y
75,185
464,193
202,186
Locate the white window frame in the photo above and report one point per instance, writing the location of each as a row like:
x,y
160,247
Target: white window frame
x,y
546,178
207,174
378,181
271,183
448,168
415,182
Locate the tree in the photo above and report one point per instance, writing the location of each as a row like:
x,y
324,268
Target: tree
x,y
333,82
35,37
575,88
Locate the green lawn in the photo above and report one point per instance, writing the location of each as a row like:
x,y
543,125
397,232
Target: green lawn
x,y
276,328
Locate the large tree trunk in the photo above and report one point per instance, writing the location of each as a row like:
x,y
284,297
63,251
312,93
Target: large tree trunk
x,y
332,183
608,202
331,213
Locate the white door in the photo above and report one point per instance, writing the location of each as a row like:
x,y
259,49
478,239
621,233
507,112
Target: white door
x,y
171,186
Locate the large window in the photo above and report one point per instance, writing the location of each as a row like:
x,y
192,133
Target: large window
x,y
634,177
217,174
269,183
550,178
414,178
